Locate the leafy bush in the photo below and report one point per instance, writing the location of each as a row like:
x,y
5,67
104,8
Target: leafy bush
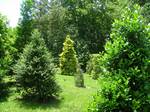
x,y
125,65
68,59
34,70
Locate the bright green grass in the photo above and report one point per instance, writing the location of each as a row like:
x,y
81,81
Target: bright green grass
x,y
73,99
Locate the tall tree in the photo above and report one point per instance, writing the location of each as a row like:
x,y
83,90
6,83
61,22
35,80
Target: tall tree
x,y
91,20
87,21
5,58
3,41
25,24
52,25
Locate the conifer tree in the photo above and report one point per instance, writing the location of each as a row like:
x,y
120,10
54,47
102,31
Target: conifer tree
x,y
68,59
3,53
69,62
34,70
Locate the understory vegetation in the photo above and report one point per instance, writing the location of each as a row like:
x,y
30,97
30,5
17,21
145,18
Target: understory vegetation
x,y
76,56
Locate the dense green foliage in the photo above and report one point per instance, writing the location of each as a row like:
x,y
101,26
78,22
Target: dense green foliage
x,y
125,66
52,24
146,12
110,42
25,25
34,70
3,40
6,52
68,59
87,21
91,21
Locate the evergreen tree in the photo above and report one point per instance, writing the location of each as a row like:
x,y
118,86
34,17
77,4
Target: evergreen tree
x,y
68,59
25,27
34,70
125,66
69,62
5,58
3,40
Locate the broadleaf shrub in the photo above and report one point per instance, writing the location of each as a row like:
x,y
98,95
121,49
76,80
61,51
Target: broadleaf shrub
x,y
125,65
35,70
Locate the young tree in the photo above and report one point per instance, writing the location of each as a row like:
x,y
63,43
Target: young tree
x,y
125,66
69,63
34,70
68,59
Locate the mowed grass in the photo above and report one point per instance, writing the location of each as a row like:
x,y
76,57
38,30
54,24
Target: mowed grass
x,y
72,99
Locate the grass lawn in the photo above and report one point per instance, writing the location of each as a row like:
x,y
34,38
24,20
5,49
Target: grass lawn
x,y
73,99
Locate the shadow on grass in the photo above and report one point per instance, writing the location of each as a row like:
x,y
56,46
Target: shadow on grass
x,y
31,103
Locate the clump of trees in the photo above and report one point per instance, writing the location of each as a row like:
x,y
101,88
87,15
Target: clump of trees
x,y
122,66
34,70
125,66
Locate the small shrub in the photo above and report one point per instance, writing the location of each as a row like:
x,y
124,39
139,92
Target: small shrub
x,y
34,70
